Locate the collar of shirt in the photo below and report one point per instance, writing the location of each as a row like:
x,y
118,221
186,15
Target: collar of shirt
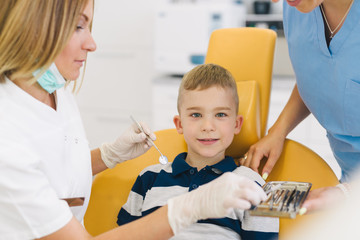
x,y
180,165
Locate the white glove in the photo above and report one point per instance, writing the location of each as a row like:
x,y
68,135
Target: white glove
x,y
213,200
131,144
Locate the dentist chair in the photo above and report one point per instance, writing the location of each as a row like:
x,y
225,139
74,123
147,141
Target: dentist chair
x,y
252,70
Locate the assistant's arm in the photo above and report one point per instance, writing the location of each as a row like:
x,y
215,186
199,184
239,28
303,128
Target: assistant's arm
x,y
271,145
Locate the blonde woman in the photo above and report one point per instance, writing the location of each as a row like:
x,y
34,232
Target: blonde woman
x,y
46,166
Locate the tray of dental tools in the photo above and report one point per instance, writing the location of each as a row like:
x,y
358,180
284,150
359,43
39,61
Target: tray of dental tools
x,y
284,199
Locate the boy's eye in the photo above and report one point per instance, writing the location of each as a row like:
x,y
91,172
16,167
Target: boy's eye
x,y
196,115
221,115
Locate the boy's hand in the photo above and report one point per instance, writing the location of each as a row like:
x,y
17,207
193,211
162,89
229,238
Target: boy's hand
x,y
214,200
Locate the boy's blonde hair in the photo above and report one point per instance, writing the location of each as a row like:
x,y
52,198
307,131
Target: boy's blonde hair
x,y
33,33
205,76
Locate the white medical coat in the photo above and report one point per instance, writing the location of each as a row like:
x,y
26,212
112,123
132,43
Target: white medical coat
x,y
44,157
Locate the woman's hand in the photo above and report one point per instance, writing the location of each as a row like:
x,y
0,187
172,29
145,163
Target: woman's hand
x,y
214,200
322,198
269,147
131,144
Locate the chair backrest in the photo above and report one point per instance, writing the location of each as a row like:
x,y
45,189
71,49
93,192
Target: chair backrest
x,y
248,53
249,108
298,163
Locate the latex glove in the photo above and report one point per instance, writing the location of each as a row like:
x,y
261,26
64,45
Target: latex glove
x,y
131,144
270,148
213,200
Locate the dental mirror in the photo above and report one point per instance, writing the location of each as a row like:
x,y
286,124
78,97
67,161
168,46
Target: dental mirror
x,y
162,159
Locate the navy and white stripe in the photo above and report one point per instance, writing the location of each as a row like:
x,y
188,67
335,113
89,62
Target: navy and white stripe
x,y
158,183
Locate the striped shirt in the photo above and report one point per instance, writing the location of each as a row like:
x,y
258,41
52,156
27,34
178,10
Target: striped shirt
x,y
158,183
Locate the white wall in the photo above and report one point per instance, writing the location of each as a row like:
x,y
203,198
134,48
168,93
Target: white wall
x,y
118,75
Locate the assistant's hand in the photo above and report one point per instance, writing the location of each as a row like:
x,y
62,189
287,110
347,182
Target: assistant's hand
x,y
131,144
214,200
322,198
269,147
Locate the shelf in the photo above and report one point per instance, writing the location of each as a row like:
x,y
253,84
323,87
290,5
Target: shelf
x,y
264,17
270,21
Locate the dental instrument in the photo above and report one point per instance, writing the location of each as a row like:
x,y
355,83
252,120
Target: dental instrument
x,y
162,159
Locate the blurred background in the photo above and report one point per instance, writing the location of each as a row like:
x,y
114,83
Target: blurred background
x,y
143,49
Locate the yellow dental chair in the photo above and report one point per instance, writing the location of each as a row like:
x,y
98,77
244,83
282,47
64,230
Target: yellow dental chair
x,y
248,54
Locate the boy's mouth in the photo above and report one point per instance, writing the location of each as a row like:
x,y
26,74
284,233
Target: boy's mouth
x,y
208,141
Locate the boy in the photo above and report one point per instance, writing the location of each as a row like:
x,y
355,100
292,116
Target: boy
x,y
208,106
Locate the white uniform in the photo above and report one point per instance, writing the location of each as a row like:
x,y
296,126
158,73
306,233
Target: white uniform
x,y
44,157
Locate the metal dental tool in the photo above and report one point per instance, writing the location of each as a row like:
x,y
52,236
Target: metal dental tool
x,y
295,199
284,199
299,199
281,206
291,198
162,159
272,191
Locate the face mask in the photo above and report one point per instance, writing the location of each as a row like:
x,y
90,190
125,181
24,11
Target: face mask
x,y
51,79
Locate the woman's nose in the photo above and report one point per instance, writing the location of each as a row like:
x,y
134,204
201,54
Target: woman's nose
x,y
90,44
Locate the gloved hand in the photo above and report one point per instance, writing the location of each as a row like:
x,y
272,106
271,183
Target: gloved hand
x,y
213,200
131,144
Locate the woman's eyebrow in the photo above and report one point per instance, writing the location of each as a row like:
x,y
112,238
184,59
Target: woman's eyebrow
x,y
86,17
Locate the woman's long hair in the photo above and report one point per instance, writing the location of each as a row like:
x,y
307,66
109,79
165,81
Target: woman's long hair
x,y
33,33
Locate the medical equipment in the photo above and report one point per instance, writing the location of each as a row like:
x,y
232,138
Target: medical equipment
x,y
284,199
162,159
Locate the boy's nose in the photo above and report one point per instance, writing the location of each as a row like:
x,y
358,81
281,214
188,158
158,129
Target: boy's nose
x,y
207,125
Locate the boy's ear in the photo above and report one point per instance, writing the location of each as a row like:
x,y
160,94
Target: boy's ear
x,y
238,123
177,122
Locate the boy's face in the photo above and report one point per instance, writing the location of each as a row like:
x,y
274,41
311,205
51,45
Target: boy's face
x,y
208,120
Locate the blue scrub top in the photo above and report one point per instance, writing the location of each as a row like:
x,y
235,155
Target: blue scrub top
x,y
328,78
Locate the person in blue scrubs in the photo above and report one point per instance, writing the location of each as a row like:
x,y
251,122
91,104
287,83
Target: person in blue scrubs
x,y
324,45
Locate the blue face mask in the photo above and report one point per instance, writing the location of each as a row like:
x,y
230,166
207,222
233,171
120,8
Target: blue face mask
x,y
51,79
